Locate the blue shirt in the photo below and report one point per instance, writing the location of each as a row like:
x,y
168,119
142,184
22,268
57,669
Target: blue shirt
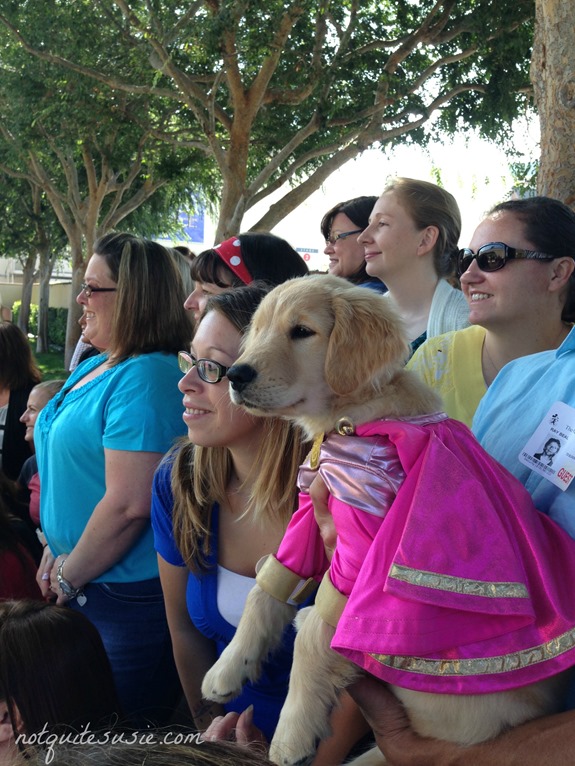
x,y
513,407
268,694
133,406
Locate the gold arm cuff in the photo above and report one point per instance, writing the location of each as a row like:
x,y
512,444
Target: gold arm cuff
x,y
329,601
281,583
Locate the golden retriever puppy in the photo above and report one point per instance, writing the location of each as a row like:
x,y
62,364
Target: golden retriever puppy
x,y
445,581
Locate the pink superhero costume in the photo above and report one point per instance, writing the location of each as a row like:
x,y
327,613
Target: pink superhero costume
x,y
455,582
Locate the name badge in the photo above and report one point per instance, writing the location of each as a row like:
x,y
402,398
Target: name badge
x,y
550,451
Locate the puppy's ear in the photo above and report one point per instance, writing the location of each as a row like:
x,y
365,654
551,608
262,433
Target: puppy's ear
x,y
367,338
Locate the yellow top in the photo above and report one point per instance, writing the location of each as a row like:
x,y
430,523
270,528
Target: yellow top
x,y
451,365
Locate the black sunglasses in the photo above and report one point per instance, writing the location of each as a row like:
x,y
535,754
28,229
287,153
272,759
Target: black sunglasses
x,y
494,256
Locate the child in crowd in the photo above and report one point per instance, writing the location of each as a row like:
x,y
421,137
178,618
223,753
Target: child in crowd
x,y
29,479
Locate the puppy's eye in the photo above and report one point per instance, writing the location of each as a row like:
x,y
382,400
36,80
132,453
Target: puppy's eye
x,y
300,331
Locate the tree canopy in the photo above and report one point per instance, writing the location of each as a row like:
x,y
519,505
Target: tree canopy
x,y
88,151
286,91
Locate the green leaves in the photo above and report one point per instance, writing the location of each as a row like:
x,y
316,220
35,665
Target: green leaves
x,y
257,94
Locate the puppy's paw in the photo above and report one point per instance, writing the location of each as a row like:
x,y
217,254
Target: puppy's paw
x,y
287,756
289,750
225,679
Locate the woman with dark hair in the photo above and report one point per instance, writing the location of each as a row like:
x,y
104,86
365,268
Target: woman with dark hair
x,y
157,749
18,548
98,442
518,278
239,261
18,376
54,672
410,244
340,227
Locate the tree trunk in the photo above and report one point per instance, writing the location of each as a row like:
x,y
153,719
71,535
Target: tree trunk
x,y
46,267
28,274
74,310
553,78
42,341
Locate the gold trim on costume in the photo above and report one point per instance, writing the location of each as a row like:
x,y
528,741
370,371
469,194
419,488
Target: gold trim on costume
x,y
315,450
281,583
482,666
458,584
329,602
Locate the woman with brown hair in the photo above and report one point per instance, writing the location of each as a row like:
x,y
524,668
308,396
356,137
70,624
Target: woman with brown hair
x,y
340,227
98,442
518,279
54,671
18,549
18,376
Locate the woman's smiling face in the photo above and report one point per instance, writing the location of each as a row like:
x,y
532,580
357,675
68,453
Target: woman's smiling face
x,y
392,241
211,418
346,254
98,309
518,290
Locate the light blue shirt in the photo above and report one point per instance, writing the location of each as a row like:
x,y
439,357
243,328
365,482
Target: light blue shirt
x,y
133,406
513,407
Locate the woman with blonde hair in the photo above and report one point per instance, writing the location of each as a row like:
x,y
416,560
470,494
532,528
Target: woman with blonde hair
x,y
221,501
411,244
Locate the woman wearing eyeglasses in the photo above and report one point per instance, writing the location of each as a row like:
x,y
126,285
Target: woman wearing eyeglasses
x,y
410,244
517,279
98,442
221,501
341,227
234,490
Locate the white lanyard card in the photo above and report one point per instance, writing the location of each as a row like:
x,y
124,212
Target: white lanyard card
x,y
550,451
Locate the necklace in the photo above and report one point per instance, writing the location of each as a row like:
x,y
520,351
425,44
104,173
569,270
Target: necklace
x,y
489,378
565,329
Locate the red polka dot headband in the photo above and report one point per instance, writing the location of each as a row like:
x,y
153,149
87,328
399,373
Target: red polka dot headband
x,y
231,254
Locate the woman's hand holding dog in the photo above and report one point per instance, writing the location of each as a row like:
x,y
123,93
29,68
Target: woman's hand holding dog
x,y
546,741
319,495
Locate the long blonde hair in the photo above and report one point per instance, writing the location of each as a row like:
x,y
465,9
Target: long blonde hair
x,y
200,475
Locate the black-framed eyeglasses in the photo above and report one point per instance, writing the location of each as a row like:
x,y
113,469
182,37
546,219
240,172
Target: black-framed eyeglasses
x,y
343,235
88,289
494,256
208,370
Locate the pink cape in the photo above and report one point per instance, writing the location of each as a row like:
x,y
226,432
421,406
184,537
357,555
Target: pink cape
x,y
455,582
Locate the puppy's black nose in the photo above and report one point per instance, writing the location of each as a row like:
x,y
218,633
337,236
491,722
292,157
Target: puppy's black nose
x,y
240,375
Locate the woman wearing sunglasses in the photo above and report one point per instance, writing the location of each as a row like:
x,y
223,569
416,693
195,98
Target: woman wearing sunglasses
x,y
517,276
